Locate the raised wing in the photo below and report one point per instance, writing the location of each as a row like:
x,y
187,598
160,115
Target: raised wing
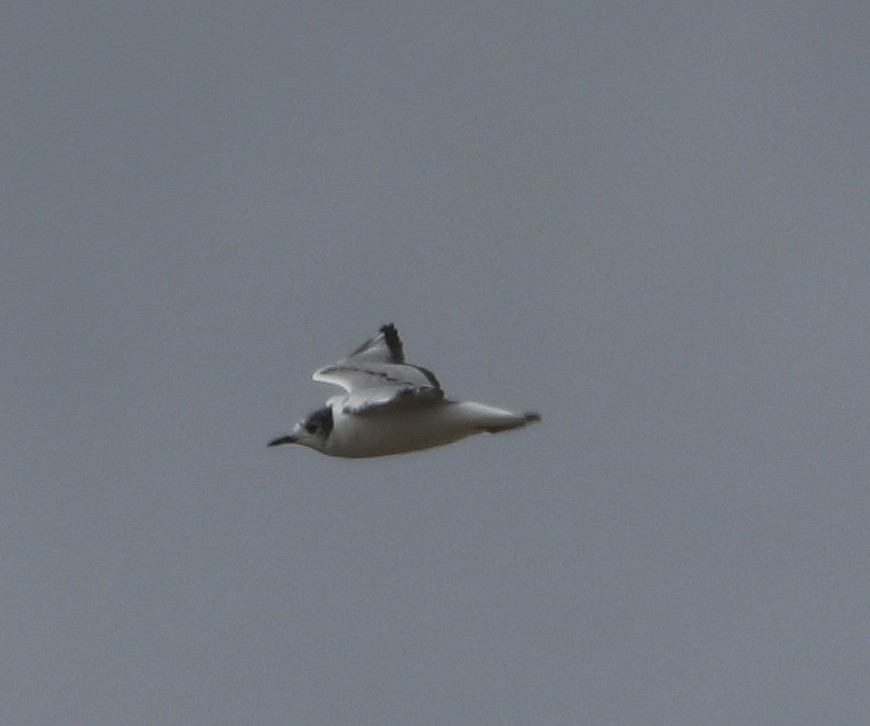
x,y
385,347
376,376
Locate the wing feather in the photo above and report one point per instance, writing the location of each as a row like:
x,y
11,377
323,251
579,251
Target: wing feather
x,y
385,347
376,376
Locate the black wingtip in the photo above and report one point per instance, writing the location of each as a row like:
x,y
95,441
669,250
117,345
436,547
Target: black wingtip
x,y
281,440
532,417
394,342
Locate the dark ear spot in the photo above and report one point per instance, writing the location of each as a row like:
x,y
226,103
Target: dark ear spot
x,y
320,421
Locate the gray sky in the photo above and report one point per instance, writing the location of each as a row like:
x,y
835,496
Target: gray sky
x,y
646,220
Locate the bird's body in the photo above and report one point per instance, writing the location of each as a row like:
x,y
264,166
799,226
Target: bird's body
x,y
391,407
413,428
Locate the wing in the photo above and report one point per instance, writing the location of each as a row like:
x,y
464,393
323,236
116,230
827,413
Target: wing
x,y
385,347
376,376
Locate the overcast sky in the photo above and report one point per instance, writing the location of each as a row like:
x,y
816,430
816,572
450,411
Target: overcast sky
x,y
648,221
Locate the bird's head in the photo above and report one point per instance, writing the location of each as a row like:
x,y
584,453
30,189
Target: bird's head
x,y
312,431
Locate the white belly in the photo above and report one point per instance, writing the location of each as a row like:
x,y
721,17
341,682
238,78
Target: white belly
x,y
397,430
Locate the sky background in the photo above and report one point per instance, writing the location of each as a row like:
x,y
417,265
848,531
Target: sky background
x,y
648,221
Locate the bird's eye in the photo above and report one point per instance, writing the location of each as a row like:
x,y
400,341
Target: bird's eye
x,y
318,424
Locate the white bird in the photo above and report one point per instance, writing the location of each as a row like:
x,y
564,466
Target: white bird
x,y
391,407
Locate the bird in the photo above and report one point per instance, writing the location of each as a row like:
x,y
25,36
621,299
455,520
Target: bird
x,y
390,406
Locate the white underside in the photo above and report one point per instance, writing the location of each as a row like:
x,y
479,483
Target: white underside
x,y
414,427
